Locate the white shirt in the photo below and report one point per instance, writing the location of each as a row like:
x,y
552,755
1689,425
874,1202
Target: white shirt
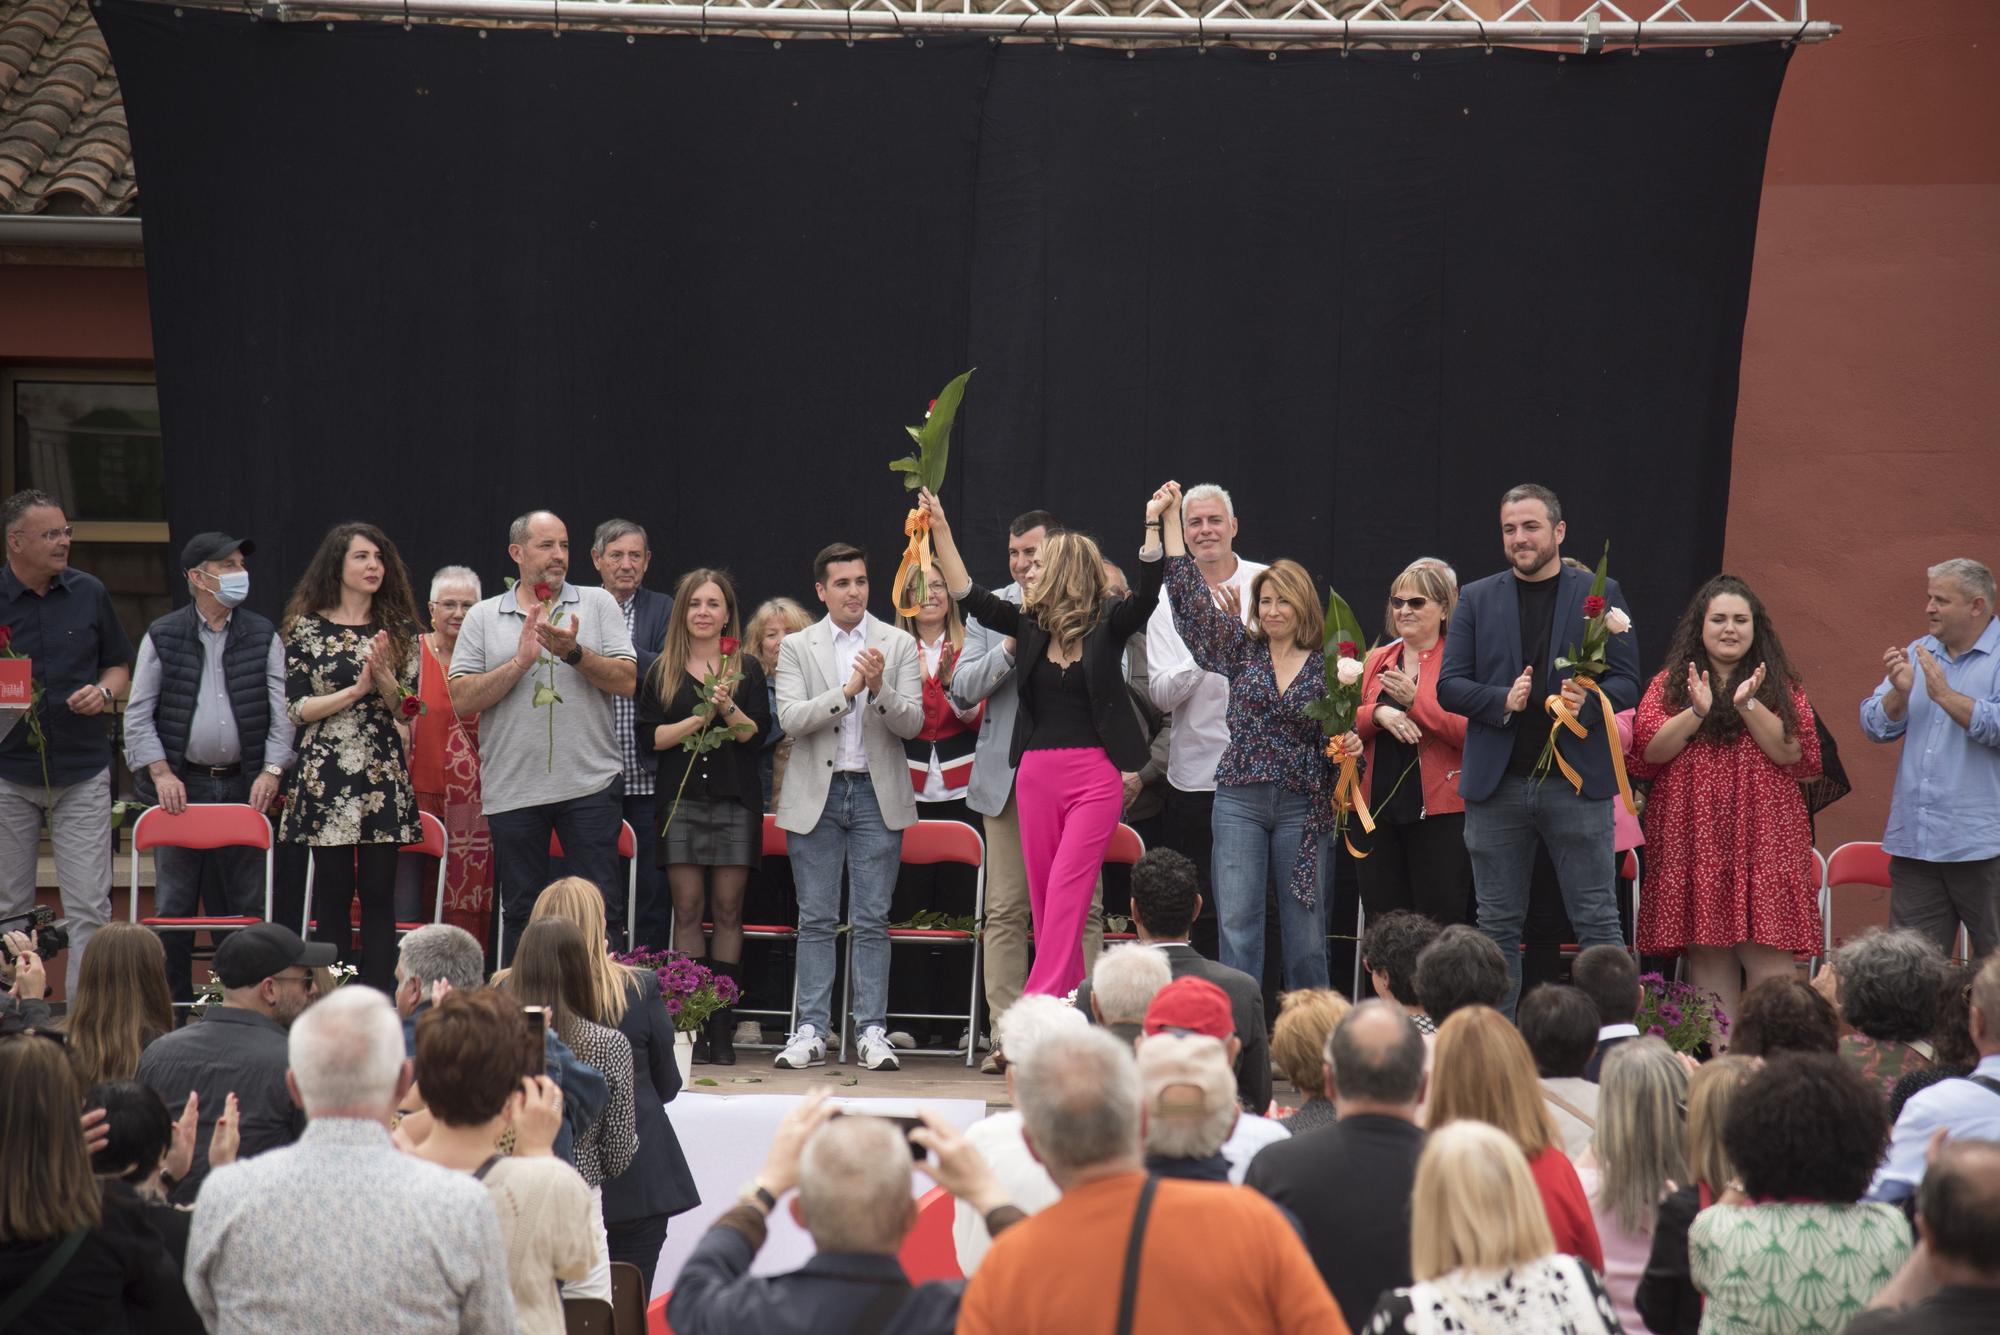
x,y
1251,1133
1617,1031
1199,701
1968,1111
1028,1185
1582,1095
852,758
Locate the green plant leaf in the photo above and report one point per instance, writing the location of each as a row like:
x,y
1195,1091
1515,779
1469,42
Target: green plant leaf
x,y
933,440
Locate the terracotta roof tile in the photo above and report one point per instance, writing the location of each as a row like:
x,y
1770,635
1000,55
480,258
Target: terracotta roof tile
x,y
63,143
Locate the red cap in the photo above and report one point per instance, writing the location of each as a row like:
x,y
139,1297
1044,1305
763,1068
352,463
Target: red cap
x,y
1191,1005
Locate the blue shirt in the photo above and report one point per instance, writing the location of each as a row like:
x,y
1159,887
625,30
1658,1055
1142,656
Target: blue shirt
x,y
71,633
1972,1112
1946,806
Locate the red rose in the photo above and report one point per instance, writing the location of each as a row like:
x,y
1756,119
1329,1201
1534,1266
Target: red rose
x,y
930,408
1593,606
1346,649
544,593
730,644
412,706
6,636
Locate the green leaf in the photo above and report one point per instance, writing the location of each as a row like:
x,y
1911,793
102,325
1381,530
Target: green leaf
x,y
915,434
544,694
1603,569
934,436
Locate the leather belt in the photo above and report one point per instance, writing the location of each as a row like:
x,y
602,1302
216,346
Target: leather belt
x,y
213,771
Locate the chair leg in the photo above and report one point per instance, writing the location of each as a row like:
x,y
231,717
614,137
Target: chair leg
x,y
972,1011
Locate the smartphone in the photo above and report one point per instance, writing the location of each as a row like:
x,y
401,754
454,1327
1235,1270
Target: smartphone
x,y
905,1125
538,1021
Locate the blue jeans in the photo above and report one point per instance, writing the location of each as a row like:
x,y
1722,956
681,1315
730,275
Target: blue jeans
x,y
850,834
1500,833
221,882
588,828
1258,828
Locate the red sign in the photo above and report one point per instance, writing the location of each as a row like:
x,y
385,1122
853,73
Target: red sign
x,y
17,689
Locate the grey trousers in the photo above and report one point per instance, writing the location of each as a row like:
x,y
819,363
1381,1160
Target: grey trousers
x,y
1935,897
79,819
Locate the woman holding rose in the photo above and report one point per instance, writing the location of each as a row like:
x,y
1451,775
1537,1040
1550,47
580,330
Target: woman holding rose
x,y
1417,858
1726,734
711,803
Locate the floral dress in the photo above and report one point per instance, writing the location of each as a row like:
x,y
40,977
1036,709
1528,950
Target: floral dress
x,y
352,783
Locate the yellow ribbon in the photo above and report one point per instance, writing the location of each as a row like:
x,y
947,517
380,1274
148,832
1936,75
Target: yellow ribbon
x,y
1347,794
916,556
1565,718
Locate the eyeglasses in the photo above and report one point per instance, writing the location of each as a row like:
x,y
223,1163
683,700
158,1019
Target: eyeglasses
x,y
54,534
305,978
1416,604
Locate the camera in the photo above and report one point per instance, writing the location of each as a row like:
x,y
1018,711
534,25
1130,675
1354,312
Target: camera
x,y
50,935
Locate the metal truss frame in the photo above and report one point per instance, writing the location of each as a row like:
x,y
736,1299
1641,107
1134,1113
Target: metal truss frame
x,y
1345,24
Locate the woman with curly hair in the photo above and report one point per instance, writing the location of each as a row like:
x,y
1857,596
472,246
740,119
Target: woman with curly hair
x,y
1076,728
1803,1252
351,657
1726,735
1885,985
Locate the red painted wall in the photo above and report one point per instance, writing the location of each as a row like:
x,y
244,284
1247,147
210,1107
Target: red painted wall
x,y
64,314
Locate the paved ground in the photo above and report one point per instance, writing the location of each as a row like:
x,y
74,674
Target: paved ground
x,y
919,1078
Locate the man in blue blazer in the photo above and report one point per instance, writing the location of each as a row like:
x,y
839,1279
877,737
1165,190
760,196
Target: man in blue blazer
x,y
1506,633
622,556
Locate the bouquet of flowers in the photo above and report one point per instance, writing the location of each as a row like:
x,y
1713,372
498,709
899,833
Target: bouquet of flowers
x,y
1681,1013
546,695
691,992
924,470
711,734
1337,708
1586,663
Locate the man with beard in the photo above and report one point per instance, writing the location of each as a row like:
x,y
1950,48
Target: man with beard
x,y
238,1049
1498,670
545,645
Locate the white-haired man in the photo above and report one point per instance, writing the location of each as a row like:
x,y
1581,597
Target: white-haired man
x,y
998,1137
1942,695
1196,1257
343,1232
1122,986
1198,700
853,1178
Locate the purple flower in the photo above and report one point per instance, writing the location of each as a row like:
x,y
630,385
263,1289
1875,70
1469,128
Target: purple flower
x,y
1671,1013
1653,978
1656,1032
673,1005
725,991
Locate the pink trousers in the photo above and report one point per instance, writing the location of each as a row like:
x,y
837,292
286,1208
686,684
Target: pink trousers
x,y
1069,803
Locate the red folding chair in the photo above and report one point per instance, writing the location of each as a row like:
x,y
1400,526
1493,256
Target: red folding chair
x,y
927,843
1124,850
628,848
432,843
201,826
1861,863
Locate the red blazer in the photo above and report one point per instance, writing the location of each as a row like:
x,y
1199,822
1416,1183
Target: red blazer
x,y
1441,753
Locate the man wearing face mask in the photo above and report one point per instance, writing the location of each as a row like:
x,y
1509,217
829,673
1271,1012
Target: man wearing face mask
x,y
207,723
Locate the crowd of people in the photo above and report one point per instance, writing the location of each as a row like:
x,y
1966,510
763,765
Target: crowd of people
x,y
1477,1147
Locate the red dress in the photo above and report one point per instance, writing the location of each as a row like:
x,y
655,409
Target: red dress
x,y
1729,847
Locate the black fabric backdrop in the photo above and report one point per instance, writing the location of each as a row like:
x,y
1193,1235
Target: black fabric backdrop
x,y
436,277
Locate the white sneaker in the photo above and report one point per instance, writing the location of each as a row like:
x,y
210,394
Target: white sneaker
x,y
804,1048
748,1033
900,1038
875,1052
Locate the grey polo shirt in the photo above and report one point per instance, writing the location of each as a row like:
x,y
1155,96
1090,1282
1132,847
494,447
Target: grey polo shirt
x,y
515,769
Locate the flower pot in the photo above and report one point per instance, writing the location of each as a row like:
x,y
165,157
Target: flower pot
x,y
684,1055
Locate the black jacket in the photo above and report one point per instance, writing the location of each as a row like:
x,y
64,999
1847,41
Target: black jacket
x,y
1246,1007
657,1181
123,1278
1119,727
1666,1298
1322,1176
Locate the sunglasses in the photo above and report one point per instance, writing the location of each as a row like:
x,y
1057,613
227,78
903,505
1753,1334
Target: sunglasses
x,y
1416,604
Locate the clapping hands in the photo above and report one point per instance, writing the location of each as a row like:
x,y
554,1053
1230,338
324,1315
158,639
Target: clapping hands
x,y
1746,690
1701,696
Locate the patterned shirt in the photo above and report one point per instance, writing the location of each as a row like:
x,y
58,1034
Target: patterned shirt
x,y
1271,738
638,779
1778,1269
342,1234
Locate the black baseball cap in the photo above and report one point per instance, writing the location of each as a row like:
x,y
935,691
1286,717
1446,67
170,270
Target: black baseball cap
x,y
248,957
212,547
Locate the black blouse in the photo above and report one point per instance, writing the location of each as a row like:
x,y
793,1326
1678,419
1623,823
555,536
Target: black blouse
x,y
1062,707
729,772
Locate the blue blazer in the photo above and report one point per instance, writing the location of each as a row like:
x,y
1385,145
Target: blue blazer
x,y
652,613
1482,657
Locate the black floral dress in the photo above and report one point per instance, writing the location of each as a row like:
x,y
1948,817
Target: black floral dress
x,y
352,782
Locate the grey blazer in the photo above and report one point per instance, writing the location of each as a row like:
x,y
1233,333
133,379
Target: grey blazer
x,y
811,706
985,671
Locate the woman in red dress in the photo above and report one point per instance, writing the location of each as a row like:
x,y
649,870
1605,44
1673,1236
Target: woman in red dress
x,y
1726,735
444,762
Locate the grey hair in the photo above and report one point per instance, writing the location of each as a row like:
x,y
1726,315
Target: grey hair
x,y
440,951
1371,1072
1125,979
1170,1060
1889,984
854,1185
15,507
1031,1020
454,575
1973,578
611,530
1208,491
1079,1101
1639,1142
517,532
346,1052
1535,491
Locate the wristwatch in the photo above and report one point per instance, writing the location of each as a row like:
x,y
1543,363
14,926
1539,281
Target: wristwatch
x,y
754,1194
574,657
275,771
1750,705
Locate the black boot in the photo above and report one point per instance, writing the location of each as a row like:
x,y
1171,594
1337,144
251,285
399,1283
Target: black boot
x,y
722,1024
700,1056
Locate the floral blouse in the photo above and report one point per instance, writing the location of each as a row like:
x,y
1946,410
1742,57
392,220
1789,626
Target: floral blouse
x,y
1271,738
352,781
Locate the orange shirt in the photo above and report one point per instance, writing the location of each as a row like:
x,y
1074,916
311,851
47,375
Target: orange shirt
x,y
1215,1258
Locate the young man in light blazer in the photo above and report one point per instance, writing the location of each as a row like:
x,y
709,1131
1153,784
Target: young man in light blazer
x,y
849,694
